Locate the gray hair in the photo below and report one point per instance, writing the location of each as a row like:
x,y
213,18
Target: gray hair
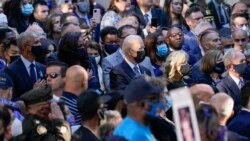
x,y
201,27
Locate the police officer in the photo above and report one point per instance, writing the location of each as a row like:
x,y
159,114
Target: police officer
x,y
44,120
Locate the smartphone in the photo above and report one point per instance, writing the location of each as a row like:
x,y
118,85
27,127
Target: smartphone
x,y
154,22
97,15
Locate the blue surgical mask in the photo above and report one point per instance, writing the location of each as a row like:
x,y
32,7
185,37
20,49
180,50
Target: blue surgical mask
x,y
169,101
110,49
154,108
27,9
162,50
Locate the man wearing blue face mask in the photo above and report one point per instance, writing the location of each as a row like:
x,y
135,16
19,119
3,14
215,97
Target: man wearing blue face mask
x,y
142,102
81,11
235,63
109,40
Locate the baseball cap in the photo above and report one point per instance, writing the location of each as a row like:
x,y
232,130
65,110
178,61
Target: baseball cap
x,y
89,102
138,89
5,81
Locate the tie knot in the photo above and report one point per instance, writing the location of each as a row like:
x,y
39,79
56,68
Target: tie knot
x,y
32,65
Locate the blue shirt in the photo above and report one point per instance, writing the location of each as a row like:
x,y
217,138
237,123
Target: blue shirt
x,y
133,131
70,100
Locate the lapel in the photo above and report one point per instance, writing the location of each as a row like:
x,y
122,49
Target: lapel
x,y
23,71
127,69
138,11
39,72
231,84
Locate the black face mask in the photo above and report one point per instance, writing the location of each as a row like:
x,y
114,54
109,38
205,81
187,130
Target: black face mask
x,y
38,51
14,58
241,68
82,53
185,69
219,68
140,56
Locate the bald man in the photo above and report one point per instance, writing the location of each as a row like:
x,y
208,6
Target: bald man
x,y
240,40
224,106
123,73
201,93
76,81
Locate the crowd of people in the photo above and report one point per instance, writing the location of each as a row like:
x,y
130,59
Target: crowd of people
x,y
71,70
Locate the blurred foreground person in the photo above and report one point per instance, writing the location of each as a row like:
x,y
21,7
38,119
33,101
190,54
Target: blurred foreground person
x,y
44,120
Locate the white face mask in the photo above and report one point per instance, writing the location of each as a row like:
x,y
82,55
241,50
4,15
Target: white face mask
x,y
16,127
97,59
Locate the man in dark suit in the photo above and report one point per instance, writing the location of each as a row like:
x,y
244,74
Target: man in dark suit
x,y
116,58
25,71
241,124
122,74
235,62
146,12
193,17
221,12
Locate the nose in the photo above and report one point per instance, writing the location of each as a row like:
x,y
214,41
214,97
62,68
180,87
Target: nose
x,y
240,42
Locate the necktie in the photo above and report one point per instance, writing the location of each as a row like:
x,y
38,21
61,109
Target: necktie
x,y
32,73
220,15
241,83
136,71
146,19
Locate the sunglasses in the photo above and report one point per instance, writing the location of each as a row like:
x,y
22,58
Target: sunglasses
x,y
52,75
242,40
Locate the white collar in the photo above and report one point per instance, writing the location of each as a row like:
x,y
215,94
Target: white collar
x,y
245,109
143,12
235,79
130,64
202,50
27,62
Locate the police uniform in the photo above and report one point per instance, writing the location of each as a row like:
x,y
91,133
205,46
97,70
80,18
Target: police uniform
x,y
36,128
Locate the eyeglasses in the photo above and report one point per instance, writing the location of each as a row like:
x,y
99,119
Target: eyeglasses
x,y
52,75
242,40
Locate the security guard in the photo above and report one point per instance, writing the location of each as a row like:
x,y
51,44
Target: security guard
x,y
44,120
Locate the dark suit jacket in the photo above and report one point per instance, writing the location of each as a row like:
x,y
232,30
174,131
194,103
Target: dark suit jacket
x,y
228,86
212,8
122,74
20,76
241,124
191,46
156,12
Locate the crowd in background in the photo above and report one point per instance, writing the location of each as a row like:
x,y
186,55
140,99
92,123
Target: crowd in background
x,y
73,70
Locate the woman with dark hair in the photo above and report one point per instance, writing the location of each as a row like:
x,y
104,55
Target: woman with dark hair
x,y
212,67
174,8
20,14
94,50
49,48
72,51
53,26
157,51
113,15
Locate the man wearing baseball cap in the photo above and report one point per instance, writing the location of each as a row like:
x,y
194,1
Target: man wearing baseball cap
x,y
143,102
6,86
44,120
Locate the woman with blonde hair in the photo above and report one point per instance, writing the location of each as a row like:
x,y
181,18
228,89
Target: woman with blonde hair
x,y
175,68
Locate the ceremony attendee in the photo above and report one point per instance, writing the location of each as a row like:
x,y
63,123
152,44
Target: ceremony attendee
x,y
236,66
139,109
76,81
44,120
123,73
55,77
239,124
25,72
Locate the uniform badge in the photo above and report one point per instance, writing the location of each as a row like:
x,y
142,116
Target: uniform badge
x,y
41,130
37,121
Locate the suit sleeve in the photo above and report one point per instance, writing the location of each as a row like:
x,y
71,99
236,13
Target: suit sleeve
x,y
117,80
106,68
221,88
